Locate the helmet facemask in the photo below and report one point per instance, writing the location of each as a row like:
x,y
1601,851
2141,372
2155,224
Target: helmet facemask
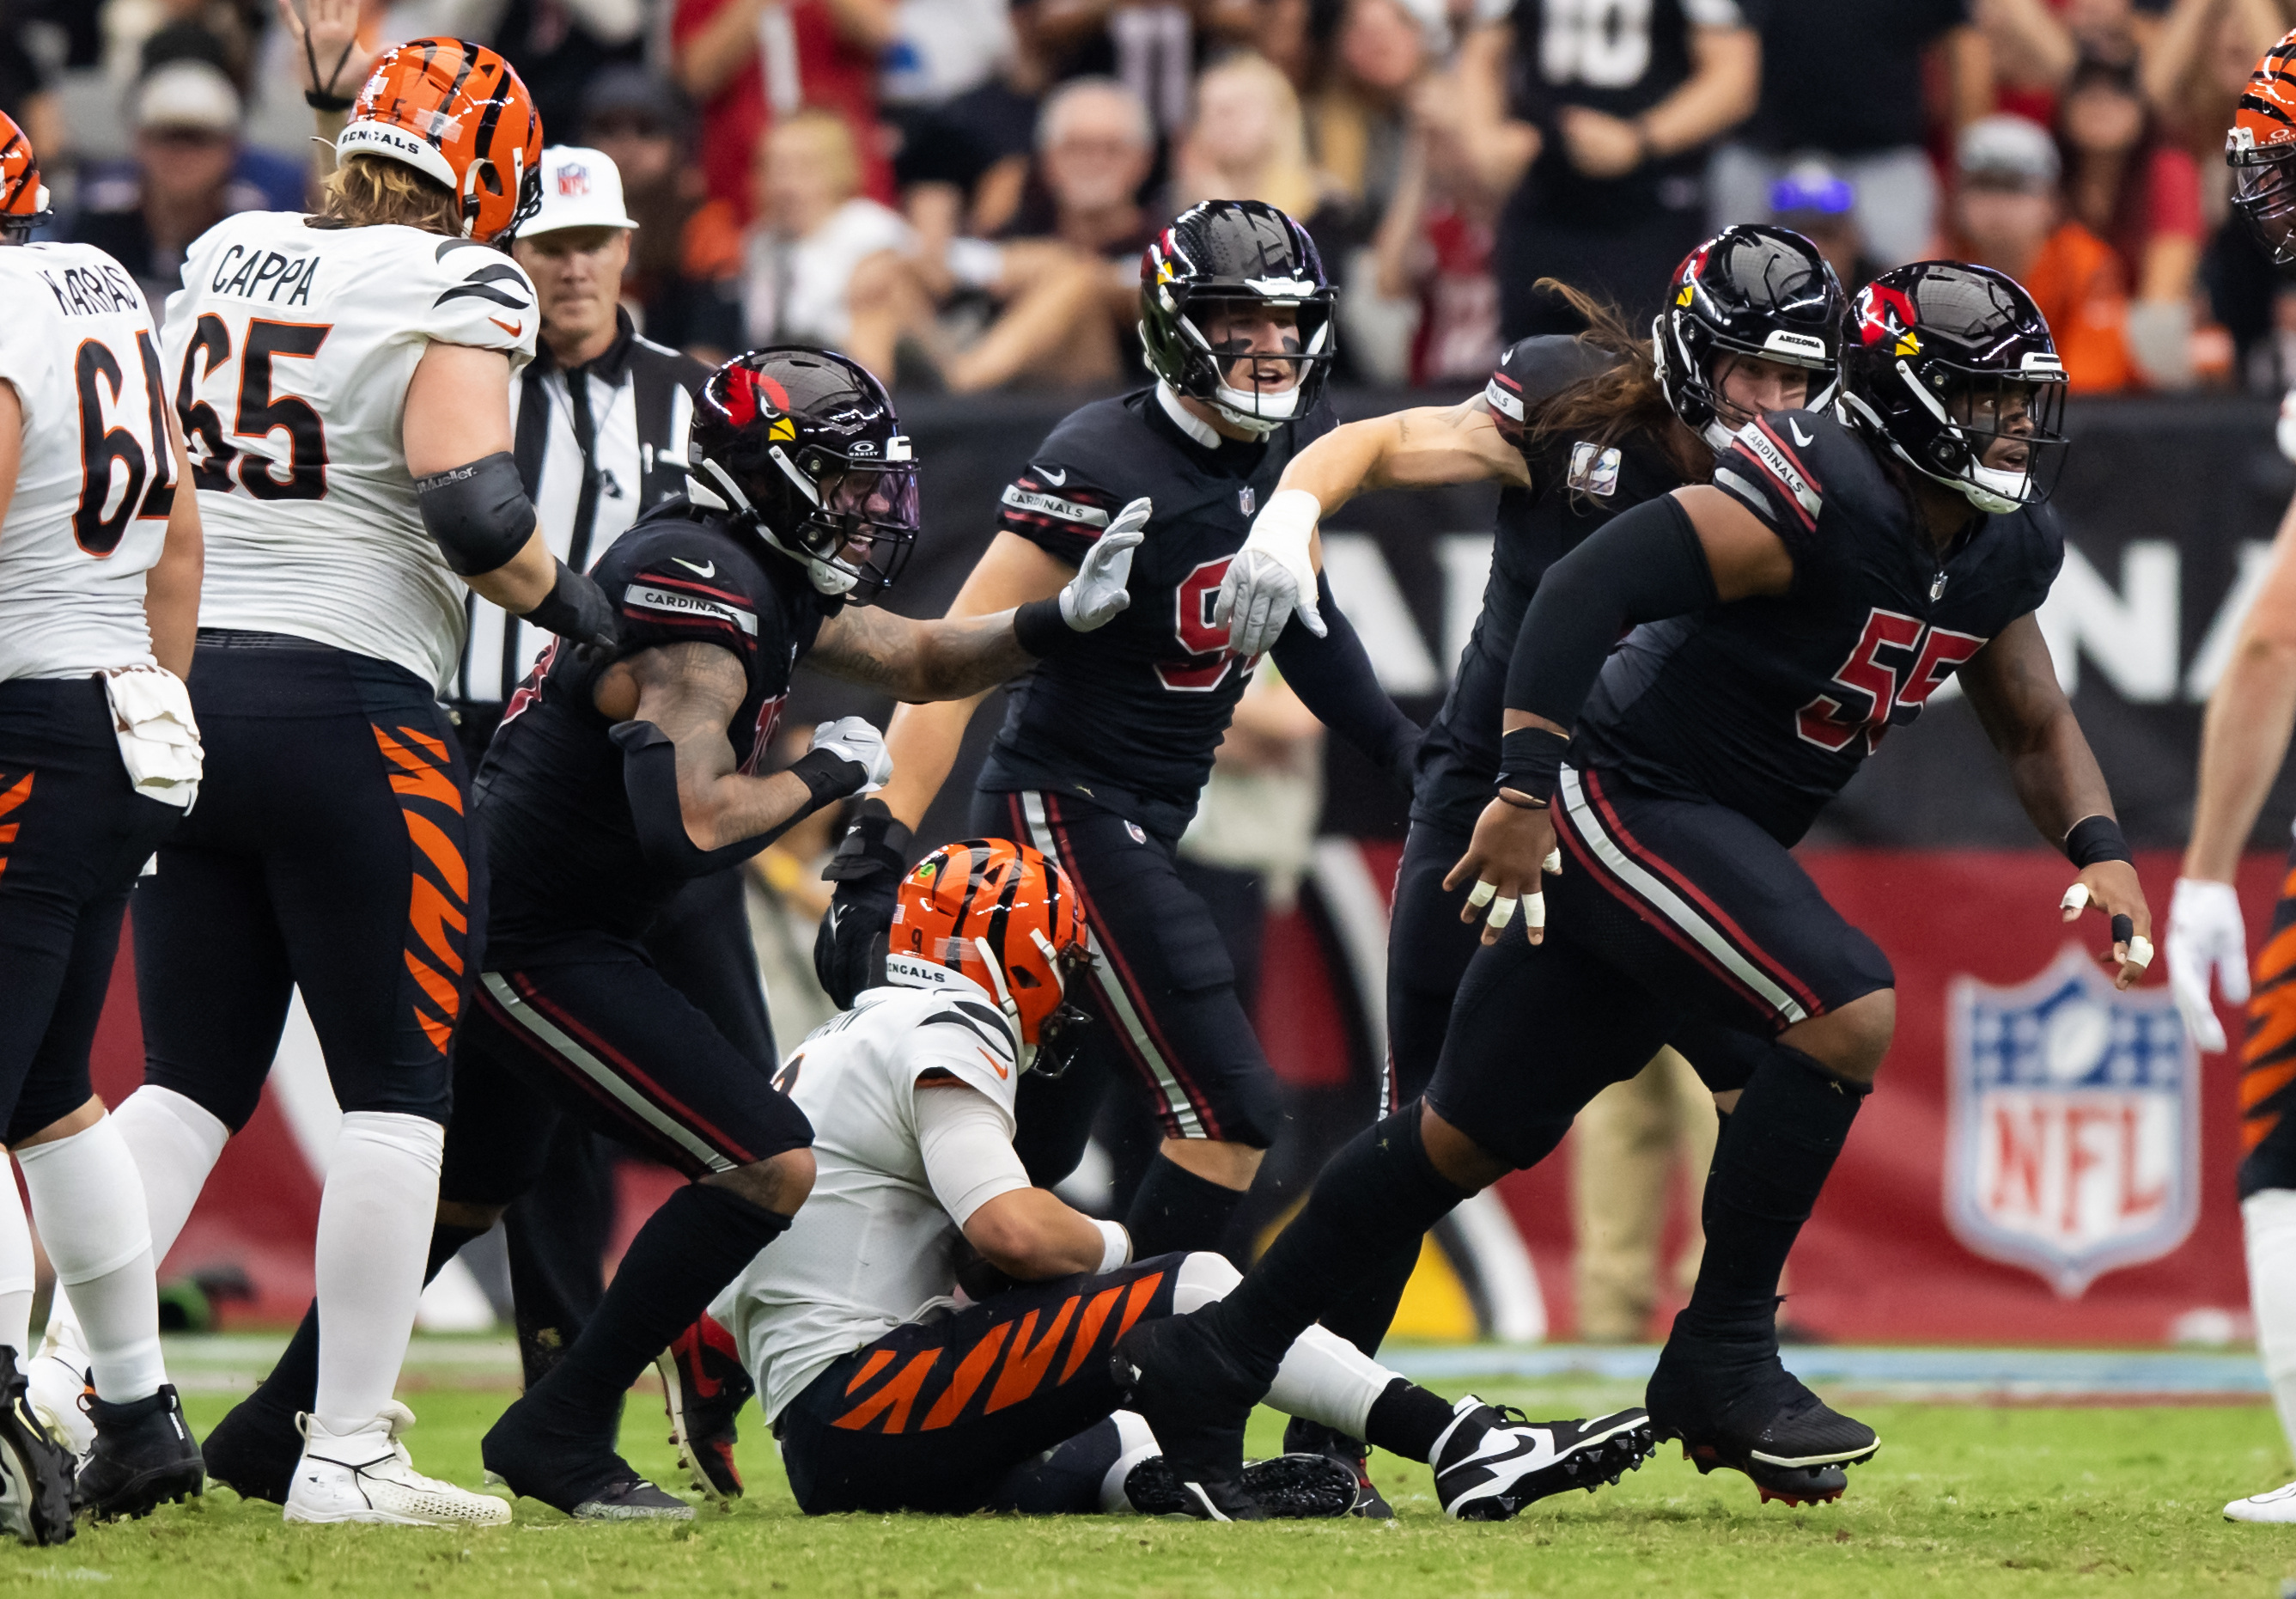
x,y
1686,354
1307,353
861,529
1976,413
2264,194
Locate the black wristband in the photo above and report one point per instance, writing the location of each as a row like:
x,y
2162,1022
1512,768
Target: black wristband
x,y
319,102
1041,629
1528,759
829,776
575,609
2095,838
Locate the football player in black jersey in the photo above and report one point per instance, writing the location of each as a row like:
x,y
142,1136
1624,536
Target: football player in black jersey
x,y
1575,430
618,777
1106,748
1837,571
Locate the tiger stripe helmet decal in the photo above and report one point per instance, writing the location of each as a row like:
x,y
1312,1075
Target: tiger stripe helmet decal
x,y
457,113
999,914
23,197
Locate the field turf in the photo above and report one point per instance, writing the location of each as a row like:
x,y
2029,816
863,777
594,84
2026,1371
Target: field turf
x,y
1963,1500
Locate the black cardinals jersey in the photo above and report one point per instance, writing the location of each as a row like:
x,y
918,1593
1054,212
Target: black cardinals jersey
x,y
1129,716
562,851
1768,705
1576,486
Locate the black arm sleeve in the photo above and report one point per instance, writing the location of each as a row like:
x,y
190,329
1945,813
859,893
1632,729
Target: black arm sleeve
x,y
1644,565
1333,679
478,511
649,781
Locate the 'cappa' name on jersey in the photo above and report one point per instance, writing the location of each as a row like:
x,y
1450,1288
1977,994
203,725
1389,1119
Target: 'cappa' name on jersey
x,y
94,290
242,273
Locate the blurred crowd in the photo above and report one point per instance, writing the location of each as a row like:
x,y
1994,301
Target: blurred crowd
x,y
956,192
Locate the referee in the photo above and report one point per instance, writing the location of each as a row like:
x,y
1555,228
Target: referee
x,y
601,416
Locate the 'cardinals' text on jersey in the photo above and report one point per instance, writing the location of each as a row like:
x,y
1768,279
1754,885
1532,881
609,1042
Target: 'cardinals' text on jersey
x,y
96,477
290,347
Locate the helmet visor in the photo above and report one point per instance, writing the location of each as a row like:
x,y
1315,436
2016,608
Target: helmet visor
x,y
2264,194
865,525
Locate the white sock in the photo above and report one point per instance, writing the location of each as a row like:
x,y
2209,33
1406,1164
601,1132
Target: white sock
x,y
375,1217
2268,1220
1134,1443
1323,1379
89,1203
16,1273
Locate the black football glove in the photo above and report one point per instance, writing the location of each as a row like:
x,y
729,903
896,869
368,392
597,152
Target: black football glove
x,y
848,951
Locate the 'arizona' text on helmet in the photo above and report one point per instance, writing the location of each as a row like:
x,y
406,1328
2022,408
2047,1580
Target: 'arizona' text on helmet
x,y
1217,254
1762,291
1943,362
1002,919
458,114
23,197
2260,148
803,445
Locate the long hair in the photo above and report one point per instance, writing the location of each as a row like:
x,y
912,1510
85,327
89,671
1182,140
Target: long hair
x,y
1623,400
369,191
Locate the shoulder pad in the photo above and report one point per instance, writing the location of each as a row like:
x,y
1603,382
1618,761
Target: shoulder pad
x,y
1534,370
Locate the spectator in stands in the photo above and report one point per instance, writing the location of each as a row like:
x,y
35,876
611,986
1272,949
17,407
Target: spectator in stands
x,y
1359,123
28,92
971,154
1867,122
814,230
1095,146
557,47
2028,52
1605,178
1248,142
941,49
182,180
645,128
1154,46
1821,206
2008,214
749,63
1435,244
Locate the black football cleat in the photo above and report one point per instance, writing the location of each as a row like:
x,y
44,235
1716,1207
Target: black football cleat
x,y
1737,1405
704,1387
1313,1437
1290,1488
631,1499
254,1449
1492,1460
143,1458
1195,1397
35,1472
570,1469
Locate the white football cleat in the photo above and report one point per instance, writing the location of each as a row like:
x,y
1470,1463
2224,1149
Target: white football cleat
x,y
2278,1505
367,1475
55,1387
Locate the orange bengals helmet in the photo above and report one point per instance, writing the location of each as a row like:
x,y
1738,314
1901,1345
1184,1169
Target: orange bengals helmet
x,y
458,114
2261,149
23,197
1006,919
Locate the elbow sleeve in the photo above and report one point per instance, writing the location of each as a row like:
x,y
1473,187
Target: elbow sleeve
x,y
649,781
478,512
1645,565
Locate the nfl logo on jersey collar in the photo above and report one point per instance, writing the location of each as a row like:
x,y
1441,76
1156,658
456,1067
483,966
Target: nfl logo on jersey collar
x,y
2073,1126
1593,470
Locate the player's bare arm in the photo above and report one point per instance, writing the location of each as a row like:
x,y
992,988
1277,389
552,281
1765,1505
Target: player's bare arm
x,y
171,589
1427,447
1611,582
954,658
2012,686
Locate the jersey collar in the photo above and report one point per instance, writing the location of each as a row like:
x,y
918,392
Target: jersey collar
x,y
1194,426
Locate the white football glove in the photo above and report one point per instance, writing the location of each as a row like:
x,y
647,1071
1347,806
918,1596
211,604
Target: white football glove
x,y
2206,935
1271,576
1098,590
856,740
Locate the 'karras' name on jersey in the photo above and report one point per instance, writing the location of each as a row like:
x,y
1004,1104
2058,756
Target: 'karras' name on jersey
x,y
98,288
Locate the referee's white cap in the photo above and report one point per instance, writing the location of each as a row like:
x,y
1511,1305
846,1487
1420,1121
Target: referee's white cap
x,y
580,188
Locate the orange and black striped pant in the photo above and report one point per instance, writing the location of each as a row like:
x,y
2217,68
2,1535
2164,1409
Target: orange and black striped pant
x,y
330,851
937,1414
2267,1058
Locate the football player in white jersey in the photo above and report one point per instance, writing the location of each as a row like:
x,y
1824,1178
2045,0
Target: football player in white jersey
x,y
99,595
343,381
888,1393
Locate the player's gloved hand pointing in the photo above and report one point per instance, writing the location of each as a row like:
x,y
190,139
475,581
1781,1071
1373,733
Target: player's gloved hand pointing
x,y
1098,590
854,739
1272,576
2206,935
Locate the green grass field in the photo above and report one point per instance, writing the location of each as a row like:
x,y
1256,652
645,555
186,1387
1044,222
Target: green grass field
x,y
1963,1500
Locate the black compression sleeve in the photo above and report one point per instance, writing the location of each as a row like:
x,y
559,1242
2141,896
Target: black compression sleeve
x,y
649,781
478,511
1644,565
1334,677
576,608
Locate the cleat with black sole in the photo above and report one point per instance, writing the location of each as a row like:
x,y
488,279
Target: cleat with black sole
x,y
1290,1488
143,1458
703,1388
1195,1397
254,1449
1733,1404
631,1499
1301,1437
569,1468
35,1472
1492,1460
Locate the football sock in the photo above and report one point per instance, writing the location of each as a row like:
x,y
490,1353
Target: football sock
x,y
1770,1164
1364,1315
294,1380
375,1215
90,1208
1378,1194
16,1277
2267,1218
555,1236
700,1239
1406,1419
1323,1378
1073,1478
1173,1209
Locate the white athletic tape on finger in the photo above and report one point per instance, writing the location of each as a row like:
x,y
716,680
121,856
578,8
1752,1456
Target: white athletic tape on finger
x,y
1502,912
1553,865
2076,898
2140,952
1480,893
1534,911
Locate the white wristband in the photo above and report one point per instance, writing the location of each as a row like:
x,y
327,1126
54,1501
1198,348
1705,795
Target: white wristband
x,y
1116,1246
1286,520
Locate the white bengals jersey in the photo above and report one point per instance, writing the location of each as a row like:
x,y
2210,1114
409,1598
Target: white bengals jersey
x,y
291,348
97,476
871,1248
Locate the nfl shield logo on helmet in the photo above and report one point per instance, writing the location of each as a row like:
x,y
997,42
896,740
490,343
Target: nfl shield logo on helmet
x,y
2073,1123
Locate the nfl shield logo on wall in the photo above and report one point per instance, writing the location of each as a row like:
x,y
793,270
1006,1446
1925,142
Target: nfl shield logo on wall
x,y
2073,1140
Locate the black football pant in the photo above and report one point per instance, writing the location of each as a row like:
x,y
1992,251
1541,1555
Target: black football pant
x,y
73,835
941,1414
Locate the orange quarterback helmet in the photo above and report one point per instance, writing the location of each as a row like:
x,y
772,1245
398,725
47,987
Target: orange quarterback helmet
x,y
2261,149
23,197
1009,922
457,113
